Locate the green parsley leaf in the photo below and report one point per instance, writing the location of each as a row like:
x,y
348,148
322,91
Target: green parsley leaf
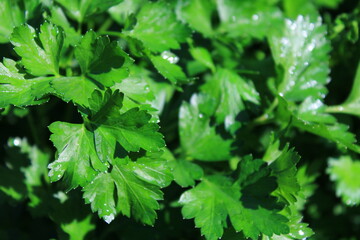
x,y
100,193
39,60
249,210
203,56
185,172
209,203
229,91
169,70
197,137
78,229
295,8
198,14
327,128
17,90
158,28
123,10
284,169
247,18
58,17
256,183
131,129
301,49
76,89
345,173
81,9
77,159
96,72
102,60
106,127
136,85
137,189
11,15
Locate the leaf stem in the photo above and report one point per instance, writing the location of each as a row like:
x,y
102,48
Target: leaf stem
x,y
105,26
335,109
265,117
113,33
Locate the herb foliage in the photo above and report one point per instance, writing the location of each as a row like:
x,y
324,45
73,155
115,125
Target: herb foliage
x,y
241,116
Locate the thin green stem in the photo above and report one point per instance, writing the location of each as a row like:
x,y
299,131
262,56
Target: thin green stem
x,y
105,26
335,109
79,27
113,33
265,117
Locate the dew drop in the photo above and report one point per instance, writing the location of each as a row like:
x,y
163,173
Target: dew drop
x,y
109,218
172,58
255,17
17,141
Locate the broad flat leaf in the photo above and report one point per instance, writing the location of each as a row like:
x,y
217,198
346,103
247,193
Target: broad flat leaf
x,y
324,126
295,8
131,129
302,50
284,169
11,15
248,18
345,173
58,17
136,85
185,172
352,103
203,56
77,159
121,11
229,91
197,13
198,139
157,27
102,60
314,110
102,64
80,9
84,150
17,90
39,60
100,193
260,213
298,229
136,197
78,229
209,203
169,70
154,169
76,89
216,198
137,92
137,189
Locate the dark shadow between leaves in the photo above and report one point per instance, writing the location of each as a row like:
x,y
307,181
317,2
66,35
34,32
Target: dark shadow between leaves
x,y
257,194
